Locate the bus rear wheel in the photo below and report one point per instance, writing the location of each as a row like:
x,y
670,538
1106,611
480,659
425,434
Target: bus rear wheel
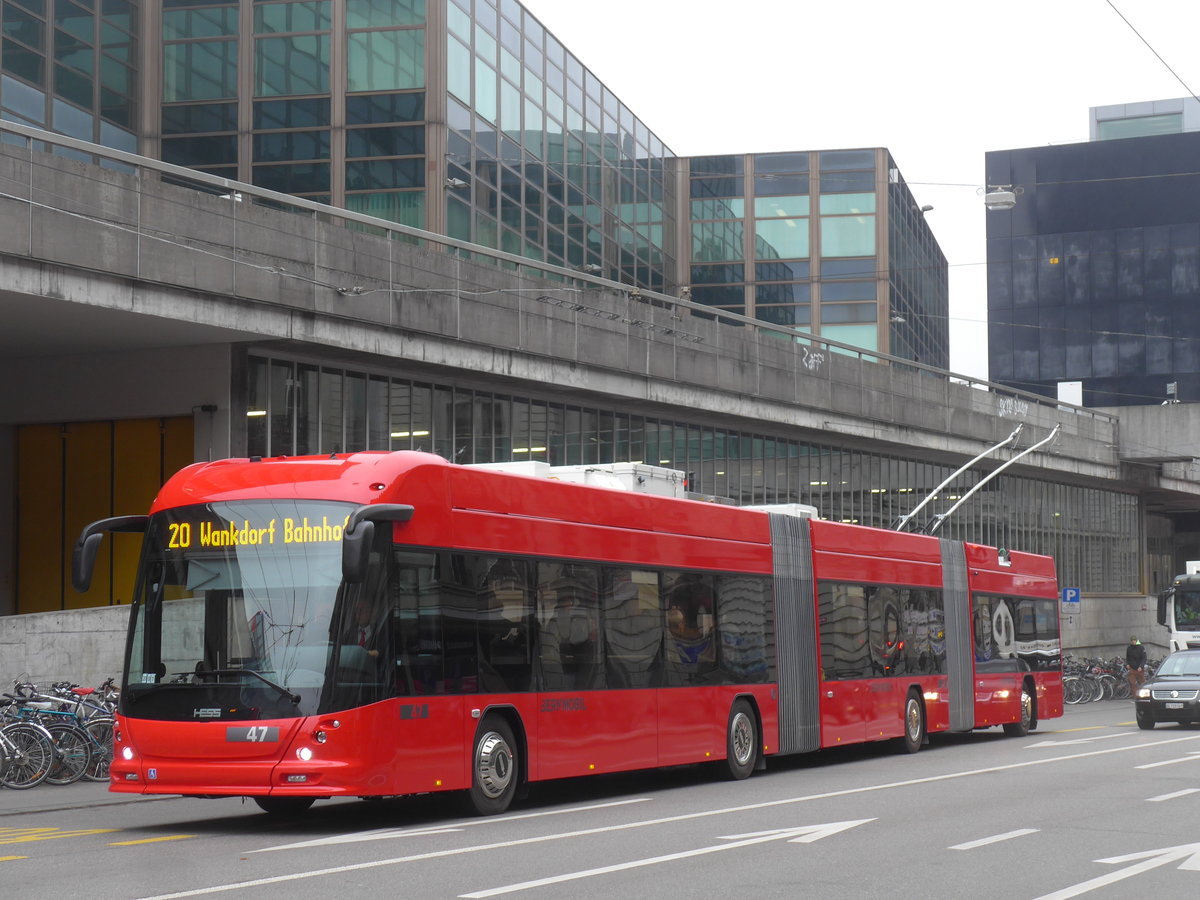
x,y
494,767
741,741
914,724
284,806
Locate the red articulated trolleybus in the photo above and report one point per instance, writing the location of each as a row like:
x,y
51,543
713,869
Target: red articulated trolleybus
x,y
384,624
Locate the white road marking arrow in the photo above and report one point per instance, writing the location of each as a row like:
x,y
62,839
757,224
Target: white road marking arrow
x,y
1149,859
804,834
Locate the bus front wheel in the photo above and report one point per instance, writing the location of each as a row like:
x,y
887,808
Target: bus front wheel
x,y
741,741
1026,723
494,767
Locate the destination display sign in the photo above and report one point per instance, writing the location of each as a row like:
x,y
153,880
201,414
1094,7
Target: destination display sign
x,y
253,524
285,530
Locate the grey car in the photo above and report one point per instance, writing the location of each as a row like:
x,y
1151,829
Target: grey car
x,y
1173,693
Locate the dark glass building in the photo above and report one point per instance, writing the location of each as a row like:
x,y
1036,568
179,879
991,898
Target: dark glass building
x,y
1094,274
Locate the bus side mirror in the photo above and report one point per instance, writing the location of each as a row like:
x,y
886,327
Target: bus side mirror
x,y
83,556
83,561
359,534
1162,607
356,552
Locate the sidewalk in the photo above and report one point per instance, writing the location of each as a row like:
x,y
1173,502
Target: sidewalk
x,y
54,798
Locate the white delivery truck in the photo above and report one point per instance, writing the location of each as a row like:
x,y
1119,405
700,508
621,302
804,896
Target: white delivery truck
x,y
1179,609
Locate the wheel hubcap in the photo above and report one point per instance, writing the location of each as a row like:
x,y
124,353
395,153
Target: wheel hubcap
x,y
914,720
742,738
493,765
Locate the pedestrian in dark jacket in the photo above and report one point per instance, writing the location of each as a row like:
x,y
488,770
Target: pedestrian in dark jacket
x,y
1135,659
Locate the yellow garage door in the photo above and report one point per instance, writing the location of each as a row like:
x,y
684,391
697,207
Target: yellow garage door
x,y
71,474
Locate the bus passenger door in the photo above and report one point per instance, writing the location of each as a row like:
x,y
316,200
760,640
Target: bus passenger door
x,y
844,707
845,660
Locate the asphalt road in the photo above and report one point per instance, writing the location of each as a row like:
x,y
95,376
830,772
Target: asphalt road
x,y
1086,806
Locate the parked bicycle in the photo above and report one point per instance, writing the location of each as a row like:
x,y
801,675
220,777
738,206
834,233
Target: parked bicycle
x,y
74,726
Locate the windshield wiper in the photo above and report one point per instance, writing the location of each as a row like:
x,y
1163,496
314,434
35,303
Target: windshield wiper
x,y
295,698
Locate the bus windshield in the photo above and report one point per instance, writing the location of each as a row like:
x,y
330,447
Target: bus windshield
x,y
234,610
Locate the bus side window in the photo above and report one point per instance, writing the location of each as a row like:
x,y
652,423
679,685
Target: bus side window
x,y
691,628
633,628
569,647
845,651
746,628
505,613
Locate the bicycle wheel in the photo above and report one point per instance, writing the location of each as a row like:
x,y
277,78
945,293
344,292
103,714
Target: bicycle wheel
x,y
72,751
1072,690
30,755
100,730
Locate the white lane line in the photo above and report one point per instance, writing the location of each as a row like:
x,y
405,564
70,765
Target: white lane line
x,y
1086,740
995,839
1170,762
586,832
381,834
1161,797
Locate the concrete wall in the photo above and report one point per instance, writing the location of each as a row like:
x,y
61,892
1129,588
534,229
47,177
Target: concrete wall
x,y
1103,625
83,646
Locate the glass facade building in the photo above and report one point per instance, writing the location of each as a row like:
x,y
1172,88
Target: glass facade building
x,y
469,119
830,242
463,118
1094,275
72,67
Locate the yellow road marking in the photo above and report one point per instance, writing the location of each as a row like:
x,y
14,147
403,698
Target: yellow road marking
x,y
7,858
25,835
170,837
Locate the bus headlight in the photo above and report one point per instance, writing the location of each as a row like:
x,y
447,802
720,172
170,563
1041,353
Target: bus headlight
x,y
126,753
304,754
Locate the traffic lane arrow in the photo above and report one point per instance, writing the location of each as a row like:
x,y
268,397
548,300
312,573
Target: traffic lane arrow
x,y
1187,855
804,834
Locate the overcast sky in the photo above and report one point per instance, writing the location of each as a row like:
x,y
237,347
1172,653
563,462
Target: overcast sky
x,y
937,82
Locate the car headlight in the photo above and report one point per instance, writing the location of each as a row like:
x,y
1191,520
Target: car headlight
x,y
1143,693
